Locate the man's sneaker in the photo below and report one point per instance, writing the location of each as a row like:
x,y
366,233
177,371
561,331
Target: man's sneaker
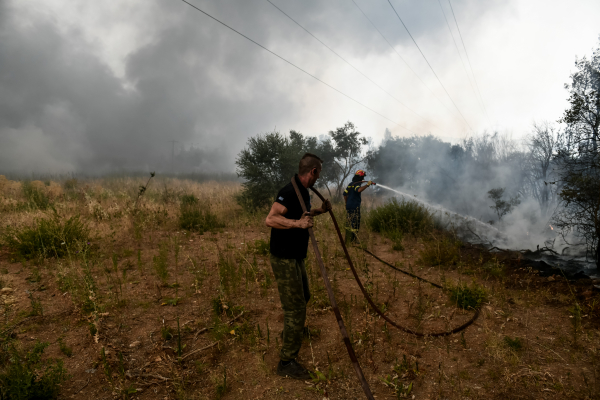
x,y
293,370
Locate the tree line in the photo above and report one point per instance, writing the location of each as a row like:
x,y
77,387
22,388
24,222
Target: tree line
x,y
556,166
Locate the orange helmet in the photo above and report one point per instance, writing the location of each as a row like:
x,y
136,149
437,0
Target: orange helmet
x,y
360,172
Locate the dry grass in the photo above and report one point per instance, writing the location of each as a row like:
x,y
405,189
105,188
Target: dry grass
x,y
220,288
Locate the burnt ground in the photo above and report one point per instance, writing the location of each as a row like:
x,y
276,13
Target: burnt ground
x,y
536,337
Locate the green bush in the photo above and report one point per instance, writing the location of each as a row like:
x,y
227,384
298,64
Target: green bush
x,y
48,237
400,216
25,376
467,297
35,197
193,217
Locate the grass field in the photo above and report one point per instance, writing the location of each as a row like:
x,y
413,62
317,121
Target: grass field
x,y
112,291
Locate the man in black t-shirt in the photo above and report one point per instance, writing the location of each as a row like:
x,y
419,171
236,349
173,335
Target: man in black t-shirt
x,y
289,243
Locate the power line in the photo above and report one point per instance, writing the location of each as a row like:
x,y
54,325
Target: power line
x,y
415,42
295,66
346,61
458,51
469,60
402,58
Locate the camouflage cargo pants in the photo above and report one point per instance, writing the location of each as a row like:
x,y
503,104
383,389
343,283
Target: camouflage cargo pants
x,y
292,284
353,224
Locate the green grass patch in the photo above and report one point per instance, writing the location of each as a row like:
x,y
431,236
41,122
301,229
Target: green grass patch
x,y
48,237
24,375
400,216
194,217
467,297
515,344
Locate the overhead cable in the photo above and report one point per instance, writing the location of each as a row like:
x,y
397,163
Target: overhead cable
x,y
402,58
295,66
458,51
346,61
469,61
430,67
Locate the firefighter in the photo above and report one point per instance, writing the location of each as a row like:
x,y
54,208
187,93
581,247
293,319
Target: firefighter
x,y
352,198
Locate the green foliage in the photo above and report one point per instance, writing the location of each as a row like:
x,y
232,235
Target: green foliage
x,y
48,237
441,252
194,217
66,350
502,207
166,332
395,218
36,198
515,344
160,262
269,162
465,296
25,376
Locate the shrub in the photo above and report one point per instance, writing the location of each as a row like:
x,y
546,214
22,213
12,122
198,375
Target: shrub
x,y
26,376
467,297
440,252
36,197
400,216
193,217
48,237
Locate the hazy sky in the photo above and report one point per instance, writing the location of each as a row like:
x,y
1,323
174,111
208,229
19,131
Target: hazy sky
x,y
105,85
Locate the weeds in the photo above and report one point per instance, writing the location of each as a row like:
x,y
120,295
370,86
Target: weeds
x,y
465,296
400,216
66,350
441,252
515,344
48,237
24,375
221,388
36,198
193,217
160,262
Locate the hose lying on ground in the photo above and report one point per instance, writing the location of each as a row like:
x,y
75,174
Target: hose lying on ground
x,y
338,315
366,295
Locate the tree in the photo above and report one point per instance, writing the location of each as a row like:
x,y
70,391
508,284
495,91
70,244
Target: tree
x,y
269,162
584,112
502,207
346,147
579,161
543,144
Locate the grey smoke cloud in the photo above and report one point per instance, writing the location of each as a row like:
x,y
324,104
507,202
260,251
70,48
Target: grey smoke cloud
x,y
100,86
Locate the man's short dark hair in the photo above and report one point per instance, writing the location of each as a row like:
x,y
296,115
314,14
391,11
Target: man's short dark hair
x,y
308,162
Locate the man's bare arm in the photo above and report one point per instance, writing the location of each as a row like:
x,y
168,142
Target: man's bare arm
x,y
276,219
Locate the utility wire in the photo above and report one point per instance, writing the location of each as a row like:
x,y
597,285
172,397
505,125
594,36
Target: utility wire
x,y
402,58
458,51
469,60
295,66
415,42
346,61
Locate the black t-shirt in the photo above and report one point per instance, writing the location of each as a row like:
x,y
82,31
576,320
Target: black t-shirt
x,y
291,243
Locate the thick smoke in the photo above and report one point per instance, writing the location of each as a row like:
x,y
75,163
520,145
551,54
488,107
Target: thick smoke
x,y
455,180
80,92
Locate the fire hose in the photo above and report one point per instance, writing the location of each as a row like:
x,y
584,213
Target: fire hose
x,y
333,302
